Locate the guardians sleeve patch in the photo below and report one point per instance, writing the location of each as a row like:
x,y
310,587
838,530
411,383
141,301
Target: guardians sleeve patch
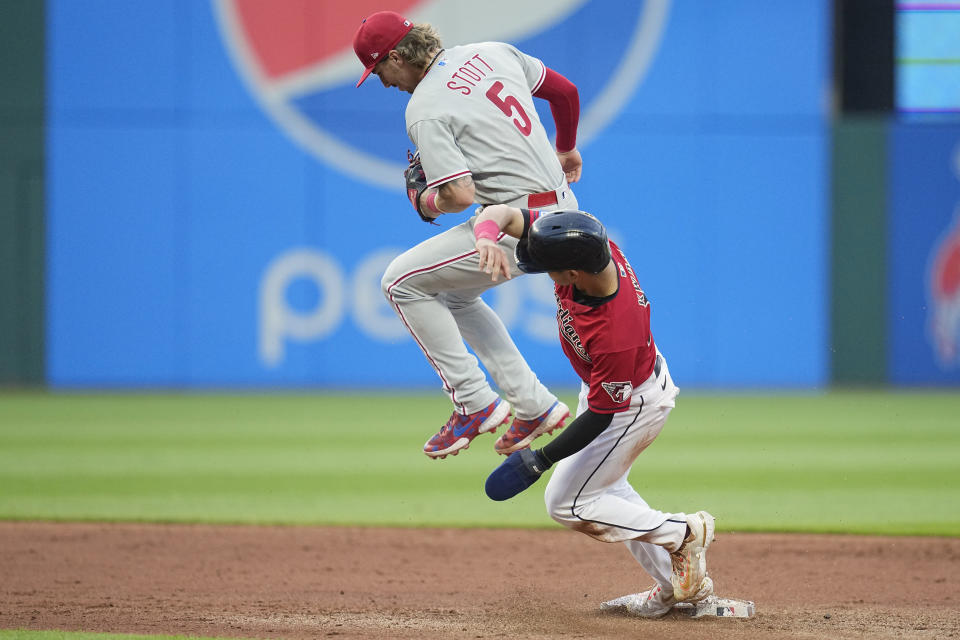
x,y
619,392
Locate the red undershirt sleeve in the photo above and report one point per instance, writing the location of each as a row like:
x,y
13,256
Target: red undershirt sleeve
x,y
564,102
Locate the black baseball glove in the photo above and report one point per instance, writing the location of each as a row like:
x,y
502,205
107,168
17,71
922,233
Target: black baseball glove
x,y
416,184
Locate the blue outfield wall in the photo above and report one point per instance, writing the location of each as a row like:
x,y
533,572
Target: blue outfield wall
x,y
222,204
924,253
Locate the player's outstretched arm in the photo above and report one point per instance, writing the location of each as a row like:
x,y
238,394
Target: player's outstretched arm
x,y
489,224
522,468
577,435
508,219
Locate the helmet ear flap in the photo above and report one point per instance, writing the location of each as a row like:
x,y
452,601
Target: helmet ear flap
x,y
524,259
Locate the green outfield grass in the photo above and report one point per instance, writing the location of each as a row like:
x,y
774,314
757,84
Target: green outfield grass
x,y
845,462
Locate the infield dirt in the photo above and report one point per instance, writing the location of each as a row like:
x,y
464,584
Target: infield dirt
x,y
307,582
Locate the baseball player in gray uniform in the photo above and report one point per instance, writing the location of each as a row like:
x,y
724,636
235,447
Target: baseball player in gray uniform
x,y
479,140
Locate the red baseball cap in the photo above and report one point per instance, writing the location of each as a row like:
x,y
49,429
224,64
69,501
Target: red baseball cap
x,y
377,35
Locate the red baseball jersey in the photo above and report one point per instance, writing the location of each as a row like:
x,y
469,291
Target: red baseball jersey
x,y
608,341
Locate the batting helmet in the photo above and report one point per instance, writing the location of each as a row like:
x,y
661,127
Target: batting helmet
x,y
564,240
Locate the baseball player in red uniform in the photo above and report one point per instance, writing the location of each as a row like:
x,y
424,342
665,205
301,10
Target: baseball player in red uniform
x,y
625,398
478,139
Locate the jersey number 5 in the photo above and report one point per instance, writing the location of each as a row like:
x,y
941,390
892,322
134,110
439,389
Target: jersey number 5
x,y
507,105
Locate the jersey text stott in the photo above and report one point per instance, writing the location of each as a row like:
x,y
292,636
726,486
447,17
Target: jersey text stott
x,y
473,71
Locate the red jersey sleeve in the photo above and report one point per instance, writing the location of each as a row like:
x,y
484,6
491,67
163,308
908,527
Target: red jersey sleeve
x,y
611,381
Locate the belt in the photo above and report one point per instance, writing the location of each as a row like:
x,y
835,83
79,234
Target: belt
x,y
656,366
545,199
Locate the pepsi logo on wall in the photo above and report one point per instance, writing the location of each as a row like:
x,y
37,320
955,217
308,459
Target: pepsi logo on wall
x,y
199,153
297,59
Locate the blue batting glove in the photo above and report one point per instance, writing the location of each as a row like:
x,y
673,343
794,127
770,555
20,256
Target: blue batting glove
x,y
520,470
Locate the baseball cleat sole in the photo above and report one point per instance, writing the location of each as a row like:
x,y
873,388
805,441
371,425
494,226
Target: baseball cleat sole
x,y
500,416
554,421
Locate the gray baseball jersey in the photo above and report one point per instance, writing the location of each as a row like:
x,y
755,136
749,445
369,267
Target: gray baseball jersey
x,y
473,114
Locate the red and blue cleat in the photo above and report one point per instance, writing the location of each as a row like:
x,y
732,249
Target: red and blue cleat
x,y
460,429
522,432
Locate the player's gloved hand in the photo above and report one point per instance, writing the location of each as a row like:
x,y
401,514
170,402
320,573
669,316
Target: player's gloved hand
x,y
520,470
416,184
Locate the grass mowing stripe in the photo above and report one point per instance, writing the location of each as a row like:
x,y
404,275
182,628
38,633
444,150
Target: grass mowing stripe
x,y
866,462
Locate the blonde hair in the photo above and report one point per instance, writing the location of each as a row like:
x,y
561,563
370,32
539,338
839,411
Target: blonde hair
x,y
419,45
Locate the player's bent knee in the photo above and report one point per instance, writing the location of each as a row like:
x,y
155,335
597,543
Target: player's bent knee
x,y
385,283
577,518
560,508
405,280
392,278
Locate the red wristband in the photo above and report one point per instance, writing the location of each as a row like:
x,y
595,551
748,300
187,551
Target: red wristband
x,y
486,229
